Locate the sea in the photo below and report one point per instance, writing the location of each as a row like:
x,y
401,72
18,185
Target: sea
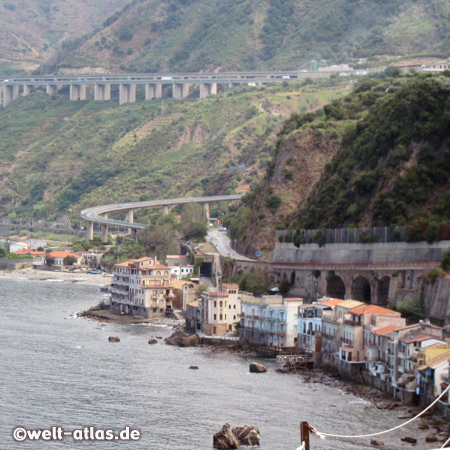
x,y
58,370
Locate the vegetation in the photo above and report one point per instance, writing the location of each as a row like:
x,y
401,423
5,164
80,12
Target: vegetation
x,y
411,308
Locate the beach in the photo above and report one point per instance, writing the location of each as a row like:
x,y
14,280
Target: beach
x,y
44,275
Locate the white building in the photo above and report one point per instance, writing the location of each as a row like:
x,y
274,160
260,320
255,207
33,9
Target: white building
x,y
270,321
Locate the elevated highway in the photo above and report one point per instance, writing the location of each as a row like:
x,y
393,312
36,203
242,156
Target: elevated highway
x,y
81,86
99,214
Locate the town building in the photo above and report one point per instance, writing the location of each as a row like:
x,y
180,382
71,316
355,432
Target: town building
x,y
219,310
142,287
435,67
310,326
192,316
270,321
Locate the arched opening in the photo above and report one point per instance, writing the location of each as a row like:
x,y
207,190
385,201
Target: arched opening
x,y
383,290
292,278
336,287
361,290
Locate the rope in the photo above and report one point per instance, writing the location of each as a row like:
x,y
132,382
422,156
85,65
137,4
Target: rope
x,y
323,435
446,442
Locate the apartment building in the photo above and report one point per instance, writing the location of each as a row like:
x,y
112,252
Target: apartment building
x,y
269,321
219,310
142,287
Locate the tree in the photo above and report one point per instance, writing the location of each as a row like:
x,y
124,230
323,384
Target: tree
x,y
2,252
49,261
445,261
201,288
69,260
193,224
159,239
254,282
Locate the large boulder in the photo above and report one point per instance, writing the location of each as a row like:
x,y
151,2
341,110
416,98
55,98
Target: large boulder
x,y
257,368
225,438
247,434
408,439
152,341
182,339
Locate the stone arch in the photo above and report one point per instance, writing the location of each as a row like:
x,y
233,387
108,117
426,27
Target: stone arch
x,y
292,279
335,287
383,290
361,290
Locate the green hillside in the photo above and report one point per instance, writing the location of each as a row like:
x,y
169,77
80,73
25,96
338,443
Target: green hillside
x,y
383,156
192,35
32,30
58,156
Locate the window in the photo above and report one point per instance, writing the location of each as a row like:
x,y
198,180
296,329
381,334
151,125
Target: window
x,y
215,316
221,317
221,304
234,306
229,307
215,304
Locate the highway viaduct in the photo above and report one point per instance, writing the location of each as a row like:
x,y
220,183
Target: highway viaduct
x,y
99,214
180,84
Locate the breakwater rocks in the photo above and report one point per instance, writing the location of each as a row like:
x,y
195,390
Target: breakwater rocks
x,y
257,368
228,438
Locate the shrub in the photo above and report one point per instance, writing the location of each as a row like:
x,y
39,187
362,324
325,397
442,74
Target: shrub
x,y
274,202
445,261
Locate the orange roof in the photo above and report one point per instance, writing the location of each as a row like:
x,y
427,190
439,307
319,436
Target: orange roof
x,y
333,302
124,264
142,259
419,338
194,303
230,286
158,266
372,309
386,330
29,252
61,254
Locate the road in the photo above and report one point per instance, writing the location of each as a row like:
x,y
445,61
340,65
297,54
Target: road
x,y
221,241
95,214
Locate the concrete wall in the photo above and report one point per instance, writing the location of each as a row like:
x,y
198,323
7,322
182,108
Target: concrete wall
x,y
436,301
12,264
397,252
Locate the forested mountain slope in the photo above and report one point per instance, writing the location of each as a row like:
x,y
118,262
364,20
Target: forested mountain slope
x,y
32,30
58,156
385,160
193,35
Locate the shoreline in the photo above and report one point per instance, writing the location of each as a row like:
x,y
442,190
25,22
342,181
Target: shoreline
x,y
64,277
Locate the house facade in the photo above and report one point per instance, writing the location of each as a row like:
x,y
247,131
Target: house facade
x,y
270,321
219,310
142,287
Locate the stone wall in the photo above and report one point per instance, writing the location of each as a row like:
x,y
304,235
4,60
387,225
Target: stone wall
x,y
13,264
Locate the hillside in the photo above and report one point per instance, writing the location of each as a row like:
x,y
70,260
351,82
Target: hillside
x,y
32,30
379,156
58,156
194,35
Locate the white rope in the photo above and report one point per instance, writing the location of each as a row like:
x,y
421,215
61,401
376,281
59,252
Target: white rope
x,y
446,442
323,435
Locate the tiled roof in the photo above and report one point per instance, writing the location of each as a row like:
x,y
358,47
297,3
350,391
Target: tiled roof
x,y
142,259
218,294
385,330
332,302
373,309
350,304
61,254
194,303
158,266
418,338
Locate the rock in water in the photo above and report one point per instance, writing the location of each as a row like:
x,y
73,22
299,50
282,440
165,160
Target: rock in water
x,y
225,438
182,339
152,341
113,339
431,438
193,367
376,442
247,434
257,368
411,440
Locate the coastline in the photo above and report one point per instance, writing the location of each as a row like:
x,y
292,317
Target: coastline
x,y
66,277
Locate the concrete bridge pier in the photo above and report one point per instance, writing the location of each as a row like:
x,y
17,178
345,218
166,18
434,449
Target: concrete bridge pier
x,y
127,93
166,210
207,89
180,90
104,233
26,89
50,89
77,92
102,92
90,231
133,232
153,91
10,93
130,219
206,210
